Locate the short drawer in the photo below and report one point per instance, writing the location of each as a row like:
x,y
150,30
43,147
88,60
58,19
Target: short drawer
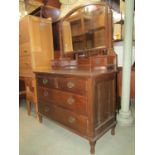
x,y
65,117
72,85
46,81
66,100
24,49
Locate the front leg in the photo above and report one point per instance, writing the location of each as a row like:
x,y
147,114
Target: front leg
x,y
113,131
40,118
92,147
28,105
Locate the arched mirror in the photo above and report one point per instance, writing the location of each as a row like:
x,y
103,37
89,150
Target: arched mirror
x,y
86,38
84,28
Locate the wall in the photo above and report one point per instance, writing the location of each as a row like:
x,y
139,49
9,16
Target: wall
x,y
118,48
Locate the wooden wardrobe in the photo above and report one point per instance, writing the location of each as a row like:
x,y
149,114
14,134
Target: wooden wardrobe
x,y
35,52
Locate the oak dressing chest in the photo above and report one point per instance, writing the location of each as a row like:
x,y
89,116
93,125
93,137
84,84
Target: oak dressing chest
x,y
79,92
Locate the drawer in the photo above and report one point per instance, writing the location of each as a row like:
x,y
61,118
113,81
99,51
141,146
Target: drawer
x,y
47,82
65,117
24,49
66,100
72,85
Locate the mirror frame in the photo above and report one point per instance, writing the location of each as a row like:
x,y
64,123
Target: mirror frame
x,y
108,32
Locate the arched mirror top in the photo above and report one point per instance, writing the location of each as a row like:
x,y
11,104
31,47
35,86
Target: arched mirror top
x,y
85,28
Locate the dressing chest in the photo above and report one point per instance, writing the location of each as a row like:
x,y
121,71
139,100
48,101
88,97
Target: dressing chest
x,y
79,91
81,101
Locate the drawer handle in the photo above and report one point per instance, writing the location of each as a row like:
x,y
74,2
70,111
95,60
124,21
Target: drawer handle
x,y
70,84
47,109
70,100
45,93
45,81
71,120
25,51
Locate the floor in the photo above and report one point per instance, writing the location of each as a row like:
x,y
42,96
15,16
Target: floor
x,y
48,138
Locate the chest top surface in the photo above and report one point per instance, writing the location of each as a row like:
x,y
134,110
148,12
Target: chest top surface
x,y
79,73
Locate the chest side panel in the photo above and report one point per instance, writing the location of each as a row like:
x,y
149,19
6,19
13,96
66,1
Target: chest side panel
x,y
105,103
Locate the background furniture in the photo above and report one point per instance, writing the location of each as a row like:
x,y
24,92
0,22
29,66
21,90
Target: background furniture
x,y
35,52
22,91
132,84
79,93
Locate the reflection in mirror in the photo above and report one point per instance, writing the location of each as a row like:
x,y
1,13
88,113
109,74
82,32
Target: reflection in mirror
x,y
84,29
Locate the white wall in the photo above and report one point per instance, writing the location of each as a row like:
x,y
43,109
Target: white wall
x,y
118,47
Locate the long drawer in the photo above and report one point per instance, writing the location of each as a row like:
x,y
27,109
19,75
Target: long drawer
x,y
67,100
65,117
67,84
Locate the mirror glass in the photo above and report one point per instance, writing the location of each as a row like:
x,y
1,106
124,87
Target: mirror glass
x,y
84,29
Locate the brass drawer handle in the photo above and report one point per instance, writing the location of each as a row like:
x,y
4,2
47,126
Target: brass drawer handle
x,y
70,100
45,81
70,84
45,93
25,51
71,120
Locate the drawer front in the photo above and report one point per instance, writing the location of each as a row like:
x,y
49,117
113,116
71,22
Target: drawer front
x,y
67,100
67,118
24,49
47,82
99,61
72,85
